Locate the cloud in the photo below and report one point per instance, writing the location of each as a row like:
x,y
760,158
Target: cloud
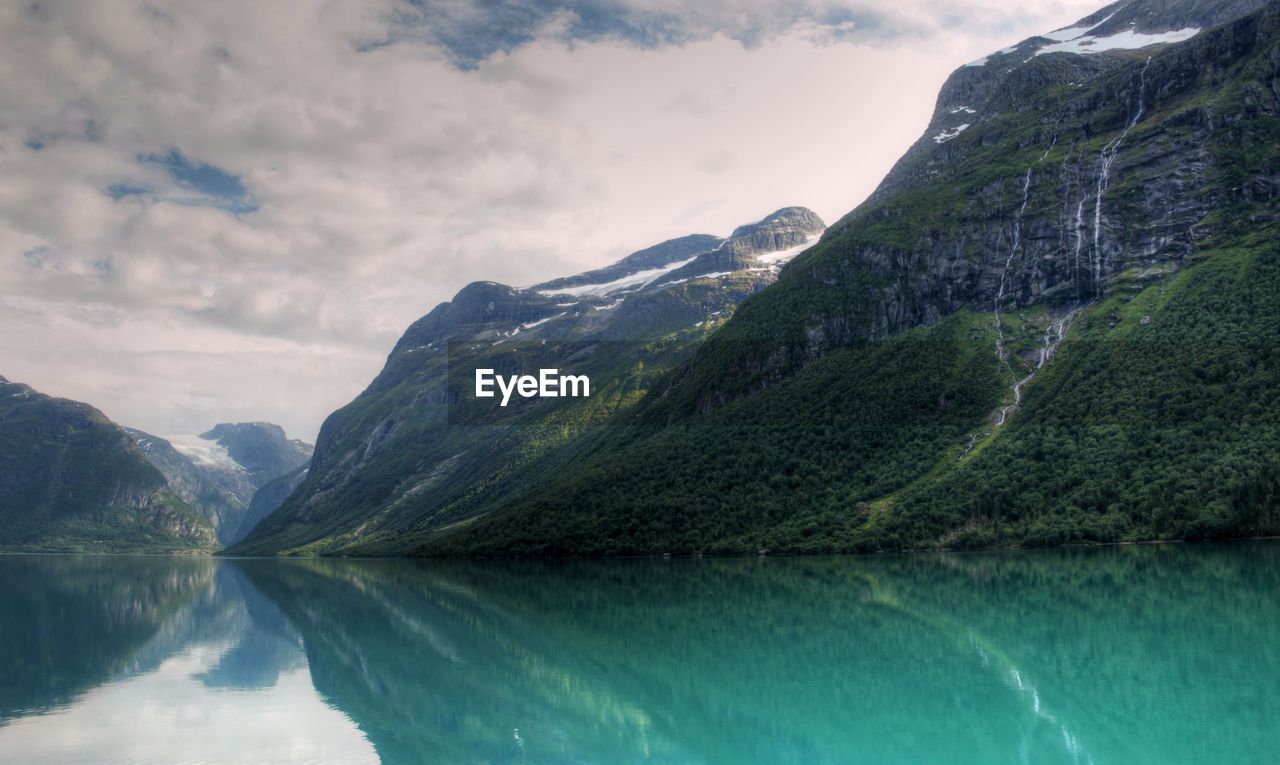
x,y
472,31
199,201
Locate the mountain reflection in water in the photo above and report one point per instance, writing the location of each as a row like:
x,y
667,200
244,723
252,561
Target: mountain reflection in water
x,y
1119,655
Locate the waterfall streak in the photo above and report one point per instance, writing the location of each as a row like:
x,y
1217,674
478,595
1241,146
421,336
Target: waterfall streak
x,y
1105,160
1075,266
1054,334
1052,142
1004,275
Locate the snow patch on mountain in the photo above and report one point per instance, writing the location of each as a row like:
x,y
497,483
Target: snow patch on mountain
x,y
203,452
1080,40
1071,33
633,281
1126,40
782,256
540,322
947,135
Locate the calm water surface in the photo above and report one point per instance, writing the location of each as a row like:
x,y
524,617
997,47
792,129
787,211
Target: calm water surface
x,y
1166,654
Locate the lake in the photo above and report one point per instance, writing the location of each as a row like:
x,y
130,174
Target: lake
x,y
1160,654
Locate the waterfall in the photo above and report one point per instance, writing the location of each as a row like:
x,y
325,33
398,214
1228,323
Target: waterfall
x,y
1075,265
1054,334
1008,262
1052,142
1017,219
1105,161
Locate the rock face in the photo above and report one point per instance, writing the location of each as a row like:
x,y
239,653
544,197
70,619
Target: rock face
x,y
657,256
220,472
1041,180
786,228
416,451
1092,143
70,479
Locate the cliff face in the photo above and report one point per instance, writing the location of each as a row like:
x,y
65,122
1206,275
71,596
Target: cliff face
x,y
265,501
1045,180
218,495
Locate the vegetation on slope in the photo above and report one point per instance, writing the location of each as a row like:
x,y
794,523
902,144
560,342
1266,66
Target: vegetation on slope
x,y
1159,418
72,480
795,465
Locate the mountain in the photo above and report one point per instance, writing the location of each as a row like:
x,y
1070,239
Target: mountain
x,y
261,448
220,472
1053,322
71,479
417,450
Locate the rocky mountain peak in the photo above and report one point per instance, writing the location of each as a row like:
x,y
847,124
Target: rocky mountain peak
x,y
779,230
984,92
262,448
1072,54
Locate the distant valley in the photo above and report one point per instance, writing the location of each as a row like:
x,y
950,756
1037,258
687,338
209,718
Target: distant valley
x,y
71,479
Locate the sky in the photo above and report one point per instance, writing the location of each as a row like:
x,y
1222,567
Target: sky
x,y
230,211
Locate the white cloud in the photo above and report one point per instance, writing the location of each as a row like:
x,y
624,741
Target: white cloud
x,y
147,718
387,179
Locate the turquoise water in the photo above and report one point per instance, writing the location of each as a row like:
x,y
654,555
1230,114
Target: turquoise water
x,y
1160,654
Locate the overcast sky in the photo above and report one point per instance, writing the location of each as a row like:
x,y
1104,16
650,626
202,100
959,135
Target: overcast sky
x,y
227,211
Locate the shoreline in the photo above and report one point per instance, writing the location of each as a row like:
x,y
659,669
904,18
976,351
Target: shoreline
x,y
664,556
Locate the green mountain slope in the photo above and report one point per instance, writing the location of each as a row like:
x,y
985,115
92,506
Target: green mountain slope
x,y
1053,321
1159,418
70,479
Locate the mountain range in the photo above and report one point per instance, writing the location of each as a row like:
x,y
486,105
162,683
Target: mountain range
x,y
1053,322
